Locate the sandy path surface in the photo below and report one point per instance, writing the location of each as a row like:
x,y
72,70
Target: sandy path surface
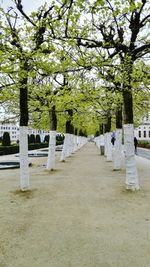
x,y
77,216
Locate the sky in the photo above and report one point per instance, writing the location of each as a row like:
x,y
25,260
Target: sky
x,y
29,5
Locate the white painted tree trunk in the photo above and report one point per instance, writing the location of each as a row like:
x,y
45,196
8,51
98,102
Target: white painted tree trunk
x,y
79,142
132,181
65,148
83,141
101,144
51,151
101,140
105,144
117,153
109,147
96,141
71,144
75,143
23,146
68,150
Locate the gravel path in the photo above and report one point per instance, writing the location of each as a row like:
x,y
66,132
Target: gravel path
x,y
79,215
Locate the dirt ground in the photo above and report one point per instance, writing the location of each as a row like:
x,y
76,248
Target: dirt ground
x,y
79,215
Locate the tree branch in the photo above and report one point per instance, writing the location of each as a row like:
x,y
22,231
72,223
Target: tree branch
x,y
20,8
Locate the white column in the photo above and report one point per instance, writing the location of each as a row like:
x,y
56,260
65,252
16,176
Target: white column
x,y
132,181
23,147
51,151
117,152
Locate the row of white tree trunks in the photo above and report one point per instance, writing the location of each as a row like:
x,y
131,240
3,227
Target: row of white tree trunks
x,y
118,151
71,144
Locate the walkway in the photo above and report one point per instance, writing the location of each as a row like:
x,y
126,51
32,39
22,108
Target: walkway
x,y
77,216
143,152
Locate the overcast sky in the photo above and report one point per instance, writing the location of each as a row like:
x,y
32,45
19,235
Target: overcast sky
x,y
29,5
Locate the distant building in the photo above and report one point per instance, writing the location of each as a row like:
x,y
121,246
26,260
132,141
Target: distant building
x,y
42,133
13,131
143,131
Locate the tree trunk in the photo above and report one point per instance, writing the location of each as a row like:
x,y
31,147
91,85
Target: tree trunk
x,y
23,145
117,155
108,145
69,126
76,131
117,163
53,118
51,151
119,117
101,128
52,140
132,181
68,146
64,152
128,105
108,124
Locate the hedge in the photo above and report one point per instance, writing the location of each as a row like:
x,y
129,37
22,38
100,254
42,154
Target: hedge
x,y
13,149
6,150
144,144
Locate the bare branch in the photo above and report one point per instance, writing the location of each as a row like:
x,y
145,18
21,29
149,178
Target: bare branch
x,y
20,8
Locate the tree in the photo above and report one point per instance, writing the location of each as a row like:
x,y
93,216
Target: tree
x,y
38,139
110,35
23,54
46,138
6,139
32,139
